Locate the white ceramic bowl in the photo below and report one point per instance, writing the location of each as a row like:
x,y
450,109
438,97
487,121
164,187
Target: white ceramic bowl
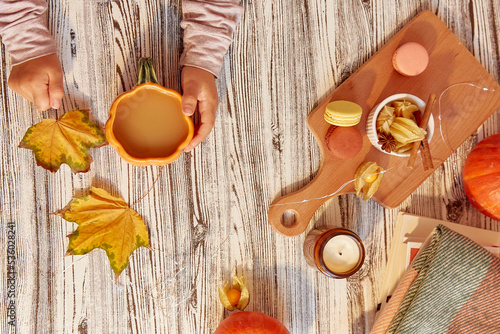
x,y
371,128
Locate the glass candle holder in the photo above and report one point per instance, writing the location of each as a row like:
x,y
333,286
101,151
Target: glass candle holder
x,y
335,252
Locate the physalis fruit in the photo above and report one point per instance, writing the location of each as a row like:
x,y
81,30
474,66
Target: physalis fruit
x,y
368,177
235,297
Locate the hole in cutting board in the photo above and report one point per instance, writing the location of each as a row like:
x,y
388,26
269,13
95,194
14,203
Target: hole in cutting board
x,y
289,218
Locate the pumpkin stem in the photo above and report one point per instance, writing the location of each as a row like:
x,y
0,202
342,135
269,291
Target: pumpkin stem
x,y
146,71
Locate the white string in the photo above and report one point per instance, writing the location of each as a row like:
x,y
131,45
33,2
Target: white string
x,y
332,194
439,106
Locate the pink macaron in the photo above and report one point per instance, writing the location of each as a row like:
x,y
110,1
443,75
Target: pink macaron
x,y
410,59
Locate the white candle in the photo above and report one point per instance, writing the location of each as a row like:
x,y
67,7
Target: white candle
x,y
341,253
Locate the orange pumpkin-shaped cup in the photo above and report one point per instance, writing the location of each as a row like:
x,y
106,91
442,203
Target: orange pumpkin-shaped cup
x,y
146,125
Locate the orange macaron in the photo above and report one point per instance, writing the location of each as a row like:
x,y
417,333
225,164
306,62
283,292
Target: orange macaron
x,y
344,142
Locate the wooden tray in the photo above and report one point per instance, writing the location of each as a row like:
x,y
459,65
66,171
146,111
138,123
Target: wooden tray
x,y
450,63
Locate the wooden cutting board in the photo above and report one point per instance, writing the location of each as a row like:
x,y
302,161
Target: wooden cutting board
x,y
461,107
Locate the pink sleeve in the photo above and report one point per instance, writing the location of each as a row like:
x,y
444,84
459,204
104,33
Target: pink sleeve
x,y
208,29
24,30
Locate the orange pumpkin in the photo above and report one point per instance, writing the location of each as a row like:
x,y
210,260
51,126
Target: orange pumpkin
x,y
250,323
146,125
481,176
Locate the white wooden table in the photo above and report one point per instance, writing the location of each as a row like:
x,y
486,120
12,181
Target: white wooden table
x,y
207,215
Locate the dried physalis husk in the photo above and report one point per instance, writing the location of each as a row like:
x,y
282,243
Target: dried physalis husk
x,y
240,285
367,179
406,131
404,109
402,148
385,119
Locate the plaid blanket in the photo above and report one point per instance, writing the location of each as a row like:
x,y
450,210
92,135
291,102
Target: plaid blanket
x,y
452,286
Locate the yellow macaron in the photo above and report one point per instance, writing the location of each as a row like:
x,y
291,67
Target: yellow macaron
x,y
343,113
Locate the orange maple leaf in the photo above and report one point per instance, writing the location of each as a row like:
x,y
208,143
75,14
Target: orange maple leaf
x,y
66,140
105,222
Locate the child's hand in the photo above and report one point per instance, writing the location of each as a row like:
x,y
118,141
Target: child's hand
x,y
40,80
199,89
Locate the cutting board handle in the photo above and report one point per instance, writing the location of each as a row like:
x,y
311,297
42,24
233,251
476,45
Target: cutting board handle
x,y
289,215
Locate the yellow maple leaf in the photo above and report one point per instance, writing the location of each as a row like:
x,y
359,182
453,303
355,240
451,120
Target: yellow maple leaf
x,y
66,140
105,222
